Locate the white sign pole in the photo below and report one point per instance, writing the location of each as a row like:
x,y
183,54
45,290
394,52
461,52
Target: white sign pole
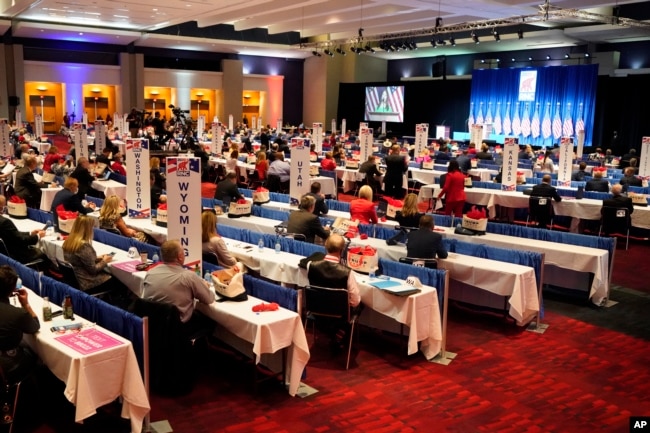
x,y
344,126
581,143
84,119
231,125
216,137
299,183
383,127
333,126
184,207
200,128
6,149
278,126
476,135
421,137
259,123
365,144
125,131
38,125
117,122
362,125
644,163
510,161
100,136
80,136
138,182
566,162
19,119
253,122
317,136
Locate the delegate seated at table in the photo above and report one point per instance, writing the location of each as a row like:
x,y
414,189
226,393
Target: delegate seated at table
x,y
16,359
408,217
20,245
362,209
619,200
69,198
304,222
227,190
579,175
110,218
169,282
212,242
424,243
629,179
26,186
328,162
320,208
82,174
597,183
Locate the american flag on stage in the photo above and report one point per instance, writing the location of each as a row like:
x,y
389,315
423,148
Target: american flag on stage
x,y
546,123
534,124
525,123
470,119
516,122
488,116
567,126
497,120
479,116
580,124
506,122
557,123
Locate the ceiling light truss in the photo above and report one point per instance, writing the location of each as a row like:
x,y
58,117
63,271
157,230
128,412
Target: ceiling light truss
x,y
547,12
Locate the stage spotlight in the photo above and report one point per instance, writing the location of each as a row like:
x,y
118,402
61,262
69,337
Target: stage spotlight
x,y
520,34
353,49
316,53
328,52
370,49
530,59
586,54
498,60
433,43
340,51
496,35
513,60
452,41
475,38
482,60
438,22
548,57
566,56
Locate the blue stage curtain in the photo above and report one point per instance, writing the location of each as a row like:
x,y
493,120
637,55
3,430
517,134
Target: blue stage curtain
x,y
493,89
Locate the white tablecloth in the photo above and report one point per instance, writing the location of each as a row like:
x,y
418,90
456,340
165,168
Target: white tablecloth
x,y
95,379
110,187
579,209
47,196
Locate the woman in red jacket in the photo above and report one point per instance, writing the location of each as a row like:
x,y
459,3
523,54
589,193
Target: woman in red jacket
x,y
362,208
328,163
454,190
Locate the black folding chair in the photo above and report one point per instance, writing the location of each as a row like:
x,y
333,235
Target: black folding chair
x,y
426,263
540,211
615,221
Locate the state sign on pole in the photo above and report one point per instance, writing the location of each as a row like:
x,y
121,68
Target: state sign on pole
x,y
644,163
6,149
278,126
365,143
299,182
138,181
581,144
344,126
317,136
230,123
200,125
184,207
510,161
19,119
100,136
38,125
333,126
216,137
566,162
80,138
421,137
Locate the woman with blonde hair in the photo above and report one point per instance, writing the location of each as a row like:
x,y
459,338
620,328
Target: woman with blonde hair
x,y
363,209
212,242
261,166
110,218
408,217
80,254
154,168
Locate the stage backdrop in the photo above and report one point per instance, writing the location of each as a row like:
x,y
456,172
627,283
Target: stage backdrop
x,y
536,105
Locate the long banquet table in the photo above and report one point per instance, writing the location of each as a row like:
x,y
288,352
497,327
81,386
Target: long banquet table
x,y
585,208
504,279
93,378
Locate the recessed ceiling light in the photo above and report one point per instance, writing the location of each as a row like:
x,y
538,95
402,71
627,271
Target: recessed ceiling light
x,y
81,33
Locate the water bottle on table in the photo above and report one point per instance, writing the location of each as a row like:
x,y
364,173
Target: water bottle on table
x,y
260,244
278,247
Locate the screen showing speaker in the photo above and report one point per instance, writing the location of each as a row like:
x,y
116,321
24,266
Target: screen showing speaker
x,y
384,103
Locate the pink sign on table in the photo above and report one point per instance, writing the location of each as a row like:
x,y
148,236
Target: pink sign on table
x,y
89,341
127,266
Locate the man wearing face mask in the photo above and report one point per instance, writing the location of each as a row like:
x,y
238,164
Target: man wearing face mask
x,y
69,198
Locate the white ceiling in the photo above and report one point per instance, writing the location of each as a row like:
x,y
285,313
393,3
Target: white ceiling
x,y
125,21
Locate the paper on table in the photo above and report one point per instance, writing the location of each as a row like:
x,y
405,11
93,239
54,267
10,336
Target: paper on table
x,y
8,168
38,177
394,287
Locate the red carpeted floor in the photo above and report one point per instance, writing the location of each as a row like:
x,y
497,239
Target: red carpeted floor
x,y
576,377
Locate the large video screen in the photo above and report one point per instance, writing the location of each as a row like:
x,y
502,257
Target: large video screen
x,y
384,103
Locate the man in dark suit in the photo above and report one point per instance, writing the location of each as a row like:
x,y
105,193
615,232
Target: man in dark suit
x,y
304,222
70,200
625,159
369,168
597,183
85,179
19,244
320,208
442,156
227,190
619,200
545,189
579,176
26,186
629,179
396,166
424,243
464,161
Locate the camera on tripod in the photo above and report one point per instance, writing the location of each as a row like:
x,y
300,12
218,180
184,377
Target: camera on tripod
x,y
176,111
